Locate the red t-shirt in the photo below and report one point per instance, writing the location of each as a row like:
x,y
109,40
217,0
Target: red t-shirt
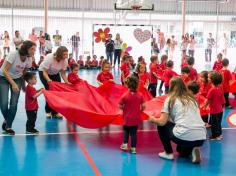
x,y
162,66
104,76
153,69
184,64
100,63
73,78
94,63
204,88
71,61
217,66
193,74
31,104
80,62
186,79
89,63
216,98
168,74
125,69
143,78
131,102
226,75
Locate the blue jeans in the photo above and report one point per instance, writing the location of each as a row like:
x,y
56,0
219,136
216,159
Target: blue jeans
x,y
109,56
9,110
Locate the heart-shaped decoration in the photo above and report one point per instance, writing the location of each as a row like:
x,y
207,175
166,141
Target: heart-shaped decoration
x,y
142,36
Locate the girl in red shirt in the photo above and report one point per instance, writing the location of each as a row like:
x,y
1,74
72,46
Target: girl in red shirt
x,y
162,67
193,72
73,77
227,78
105,74
125,69
132,104
153,68
94,62
143,75
185,74
218,63
80,62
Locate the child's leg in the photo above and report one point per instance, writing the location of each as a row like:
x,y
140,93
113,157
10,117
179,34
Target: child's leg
x,y
125,134
220,115
152,89
31,119
226,95
205,118
215,126
133,135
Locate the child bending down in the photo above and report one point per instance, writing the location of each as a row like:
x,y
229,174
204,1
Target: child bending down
x,y
132,105
73,77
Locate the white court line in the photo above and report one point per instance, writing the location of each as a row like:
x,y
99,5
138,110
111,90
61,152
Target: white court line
x,y
87,132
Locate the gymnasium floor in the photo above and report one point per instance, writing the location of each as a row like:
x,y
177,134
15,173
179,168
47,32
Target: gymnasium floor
x,y
62,148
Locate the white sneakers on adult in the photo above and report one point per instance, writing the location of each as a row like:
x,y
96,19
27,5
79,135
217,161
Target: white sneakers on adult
x,y
196,155
167,156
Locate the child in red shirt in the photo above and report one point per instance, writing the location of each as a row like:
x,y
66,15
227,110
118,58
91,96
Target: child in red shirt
x,y
218,63
105,74
88,62
100,62
132,104
31,103
193,72
131,61
125,69
168,74
162,67
185,74
183,61
227,78
153,68
205,85
216,100
143,75
193,88
71,60
142,60
94,62
80,62
73,77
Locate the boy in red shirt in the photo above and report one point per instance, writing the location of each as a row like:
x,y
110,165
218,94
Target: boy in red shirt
x,y
216,100
125,69
153,67
94,62
168,74
218,63
88,62
73,77
132,104
31,103
80,62
185,71
227,78
162,67
105,74
193,72
71,60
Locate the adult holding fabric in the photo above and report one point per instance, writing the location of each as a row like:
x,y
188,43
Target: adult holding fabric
x,y
14,67
52,69
180,122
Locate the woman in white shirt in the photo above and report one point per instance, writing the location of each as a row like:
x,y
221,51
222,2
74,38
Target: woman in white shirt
x,y
11,72
191,48
180,122
52,69
118,49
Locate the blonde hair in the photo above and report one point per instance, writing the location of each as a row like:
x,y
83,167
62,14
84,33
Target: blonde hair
x,y
179,91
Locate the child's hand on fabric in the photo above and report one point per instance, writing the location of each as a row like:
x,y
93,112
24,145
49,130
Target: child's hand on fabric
x,y
151,119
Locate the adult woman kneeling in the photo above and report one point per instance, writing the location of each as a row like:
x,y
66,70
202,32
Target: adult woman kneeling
x,y
52,69
14,67
180,122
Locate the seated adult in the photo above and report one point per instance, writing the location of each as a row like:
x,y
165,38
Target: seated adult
x,y
180,122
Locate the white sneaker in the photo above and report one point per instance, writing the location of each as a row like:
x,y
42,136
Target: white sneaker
x,y
196,155
166,155
124,146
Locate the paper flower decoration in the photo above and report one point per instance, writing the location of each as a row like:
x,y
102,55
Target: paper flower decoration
x,y
101,35
126,48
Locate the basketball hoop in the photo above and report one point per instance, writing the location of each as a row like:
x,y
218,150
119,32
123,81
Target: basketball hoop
x,y
136,9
